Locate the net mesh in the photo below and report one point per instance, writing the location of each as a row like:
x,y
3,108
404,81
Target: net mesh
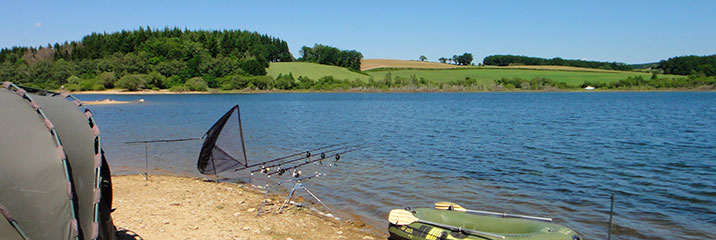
x,y
223,147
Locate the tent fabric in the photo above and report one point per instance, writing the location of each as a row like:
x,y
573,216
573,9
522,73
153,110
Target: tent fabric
x,y
31,162
35,184
78,140
7,230
223,147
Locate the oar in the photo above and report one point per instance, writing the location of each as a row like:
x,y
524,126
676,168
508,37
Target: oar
x,y
402,217
455,207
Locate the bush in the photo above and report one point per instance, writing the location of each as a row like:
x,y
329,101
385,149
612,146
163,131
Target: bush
x,y
253,67
155,80
179,88
107,79
261,82
172,81
73,79
89,84
285,82
196,84
233,82
72,87
132,82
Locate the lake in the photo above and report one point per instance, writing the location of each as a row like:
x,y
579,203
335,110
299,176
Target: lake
x,y
556,155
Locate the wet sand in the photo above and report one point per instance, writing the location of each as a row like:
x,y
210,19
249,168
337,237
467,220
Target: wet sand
x,y
109,101
171,207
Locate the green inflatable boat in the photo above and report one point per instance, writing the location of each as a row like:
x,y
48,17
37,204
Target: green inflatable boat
x,y
434,224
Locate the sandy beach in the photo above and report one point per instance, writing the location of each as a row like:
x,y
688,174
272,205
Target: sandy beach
x,y
171,207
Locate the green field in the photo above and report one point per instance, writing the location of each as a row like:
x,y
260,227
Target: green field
x,y
313,71
488,75
484,76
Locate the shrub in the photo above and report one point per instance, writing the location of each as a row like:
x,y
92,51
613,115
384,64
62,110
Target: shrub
x,y
73,79
131,82
155,80
107,79
253,67
285,82
179,88
196,84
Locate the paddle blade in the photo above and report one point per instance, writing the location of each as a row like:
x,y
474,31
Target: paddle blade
x,y
401,217
448,206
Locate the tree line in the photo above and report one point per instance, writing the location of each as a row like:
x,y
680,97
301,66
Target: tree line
x,y
689,65
506,60
463,60
328,55
99,60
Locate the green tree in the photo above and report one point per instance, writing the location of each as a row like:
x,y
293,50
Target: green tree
x,y
131,82
107,79
423,58
464,59
253,67
196,84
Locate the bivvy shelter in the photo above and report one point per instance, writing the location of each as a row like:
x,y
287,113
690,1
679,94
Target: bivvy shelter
x,y
54,179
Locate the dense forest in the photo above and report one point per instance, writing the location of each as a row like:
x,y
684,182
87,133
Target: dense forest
x,y
506,60
145,58
331,56
690,65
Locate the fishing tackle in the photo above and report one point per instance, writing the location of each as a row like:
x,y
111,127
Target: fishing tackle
x,y
327,153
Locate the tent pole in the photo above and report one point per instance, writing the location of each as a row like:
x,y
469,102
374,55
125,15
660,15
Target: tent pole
x,y
146,163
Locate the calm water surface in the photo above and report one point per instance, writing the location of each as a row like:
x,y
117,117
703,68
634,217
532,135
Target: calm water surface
x,y
556,155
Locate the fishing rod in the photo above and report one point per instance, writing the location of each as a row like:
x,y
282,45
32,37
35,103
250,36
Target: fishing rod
x,y
165,140
292,155
265,169
337,156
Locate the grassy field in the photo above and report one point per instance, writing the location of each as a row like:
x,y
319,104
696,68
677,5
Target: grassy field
x,y
488,75
313,71
367,64
484,75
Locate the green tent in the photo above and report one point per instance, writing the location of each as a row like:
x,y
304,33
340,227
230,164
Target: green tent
x,y
54,180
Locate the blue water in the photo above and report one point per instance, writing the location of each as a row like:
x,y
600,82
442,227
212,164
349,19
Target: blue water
x,y
556,155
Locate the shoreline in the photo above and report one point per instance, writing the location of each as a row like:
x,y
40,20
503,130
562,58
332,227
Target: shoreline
x,y
154,92
176,207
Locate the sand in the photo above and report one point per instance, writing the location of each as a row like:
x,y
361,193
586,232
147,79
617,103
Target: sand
x,y
138,92
110,101
171,207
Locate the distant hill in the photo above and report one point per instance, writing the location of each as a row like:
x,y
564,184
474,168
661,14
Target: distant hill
x,y
313,71
126,59
367,64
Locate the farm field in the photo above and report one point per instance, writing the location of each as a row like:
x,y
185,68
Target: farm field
x,y
486,75
483,75
313,71
367,64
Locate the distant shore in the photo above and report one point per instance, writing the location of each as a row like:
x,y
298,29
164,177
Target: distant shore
x,y
374,90
172,207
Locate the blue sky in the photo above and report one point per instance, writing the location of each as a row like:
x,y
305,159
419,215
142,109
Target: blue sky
x,y
623,31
